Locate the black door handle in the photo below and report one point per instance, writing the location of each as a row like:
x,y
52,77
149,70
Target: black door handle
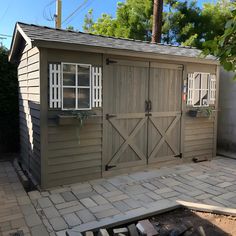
x,y
149,105
146,106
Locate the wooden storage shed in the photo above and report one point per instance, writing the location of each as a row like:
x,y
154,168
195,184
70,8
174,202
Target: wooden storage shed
x,y
147,105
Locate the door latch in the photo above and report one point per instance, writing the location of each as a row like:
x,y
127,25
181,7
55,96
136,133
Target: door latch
x,y
146,106
149,105
108,116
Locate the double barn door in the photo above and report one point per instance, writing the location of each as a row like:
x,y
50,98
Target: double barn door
x,y
142,113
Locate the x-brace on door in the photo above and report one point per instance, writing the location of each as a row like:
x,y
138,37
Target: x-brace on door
x,y
142,112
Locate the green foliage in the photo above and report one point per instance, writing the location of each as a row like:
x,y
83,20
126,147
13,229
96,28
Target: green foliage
x,y
70,27
224,46
133,20
9,126
183,21
187,24
82,116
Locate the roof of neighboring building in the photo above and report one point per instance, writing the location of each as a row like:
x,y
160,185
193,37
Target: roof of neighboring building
x,y
34,33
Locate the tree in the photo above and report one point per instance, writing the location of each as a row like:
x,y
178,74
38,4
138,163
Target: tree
x,y
157,21
183,21
187,24
224,46
133,20
9,124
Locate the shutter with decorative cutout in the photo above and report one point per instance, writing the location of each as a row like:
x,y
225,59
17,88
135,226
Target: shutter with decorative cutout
x,y
212,96
190,89
54,85
97,86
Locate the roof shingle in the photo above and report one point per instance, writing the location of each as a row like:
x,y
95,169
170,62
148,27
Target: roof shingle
x,y
35,32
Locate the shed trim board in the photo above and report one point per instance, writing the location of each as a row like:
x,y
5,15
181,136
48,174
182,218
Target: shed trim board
x,y
95,49
143,121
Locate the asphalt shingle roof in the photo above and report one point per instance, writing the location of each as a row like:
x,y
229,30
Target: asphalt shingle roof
x,y
35,32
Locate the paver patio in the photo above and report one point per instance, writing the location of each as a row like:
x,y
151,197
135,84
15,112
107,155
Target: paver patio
x,y
16,209
103,201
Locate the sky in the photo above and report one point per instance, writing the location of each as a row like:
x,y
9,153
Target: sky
x,y
40,12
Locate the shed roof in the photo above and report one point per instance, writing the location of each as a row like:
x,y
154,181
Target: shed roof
x,y
34,34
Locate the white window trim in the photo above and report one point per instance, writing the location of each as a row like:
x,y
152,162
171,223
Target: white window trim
x,y
97,86
54,88
201,89
90,87
194,90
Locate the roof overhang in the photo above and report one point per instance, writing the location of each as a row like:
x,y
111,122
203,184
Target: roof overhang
x,y
18,36
120,52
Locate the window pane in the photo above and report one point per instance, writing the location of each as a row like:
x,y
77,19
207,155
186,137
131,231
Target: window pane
x,y
83,75
69,98
197,81
83,98
204,81
196,98
204,97
69,75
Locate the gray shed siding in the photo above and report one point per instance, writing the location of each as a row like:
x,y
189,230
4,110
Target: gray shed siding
x,y
200,133
73,154
199,138
29,109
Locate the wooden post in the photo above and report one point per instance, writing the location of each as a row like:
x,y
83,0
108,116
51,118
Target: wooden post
x,y
58,14
157,21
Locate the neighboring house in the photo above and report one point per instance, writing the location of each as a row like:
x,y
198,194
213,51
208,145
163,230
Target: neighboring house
x,y
137,97
227,112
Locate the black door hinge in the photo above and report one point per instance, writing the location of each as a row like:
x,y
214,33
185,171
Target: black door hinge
x,y
108,61
179,155
107,167
108,116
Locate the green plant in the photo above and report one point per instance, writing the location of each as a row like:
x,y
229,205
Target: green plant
x,y
207,111
82,115
9,109
201,112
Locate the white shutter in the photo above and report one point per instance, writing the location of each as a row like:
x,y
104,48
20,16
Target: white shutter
x,y
212,86
97,86
54,85
190,89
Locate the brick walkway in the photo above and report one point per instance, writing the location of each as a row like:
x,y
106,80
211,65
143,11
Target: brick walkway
x,y
16,210
104,201
84,205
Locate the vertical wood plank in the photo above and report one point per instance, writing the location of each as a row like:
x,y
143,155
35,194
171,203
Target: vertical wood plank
x,y
216,107
43,116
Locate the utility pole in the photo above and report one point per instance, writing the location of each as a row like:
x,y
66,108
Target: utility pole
x,y
58,14
157,21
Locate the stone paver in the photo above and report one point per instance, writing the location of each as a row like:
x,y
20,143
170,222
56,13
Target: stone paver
x,y
85,215
17,212
104,201
51,212
58,223
72,219
33,220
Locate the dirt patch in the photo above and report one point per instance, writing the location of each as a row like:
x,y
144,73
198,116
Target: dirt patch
x,y
213,224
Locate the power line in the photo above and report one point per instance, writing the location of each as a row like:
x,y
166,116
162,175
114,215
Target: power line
x,y
6,35
86,6
76,10
51,18
5,12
